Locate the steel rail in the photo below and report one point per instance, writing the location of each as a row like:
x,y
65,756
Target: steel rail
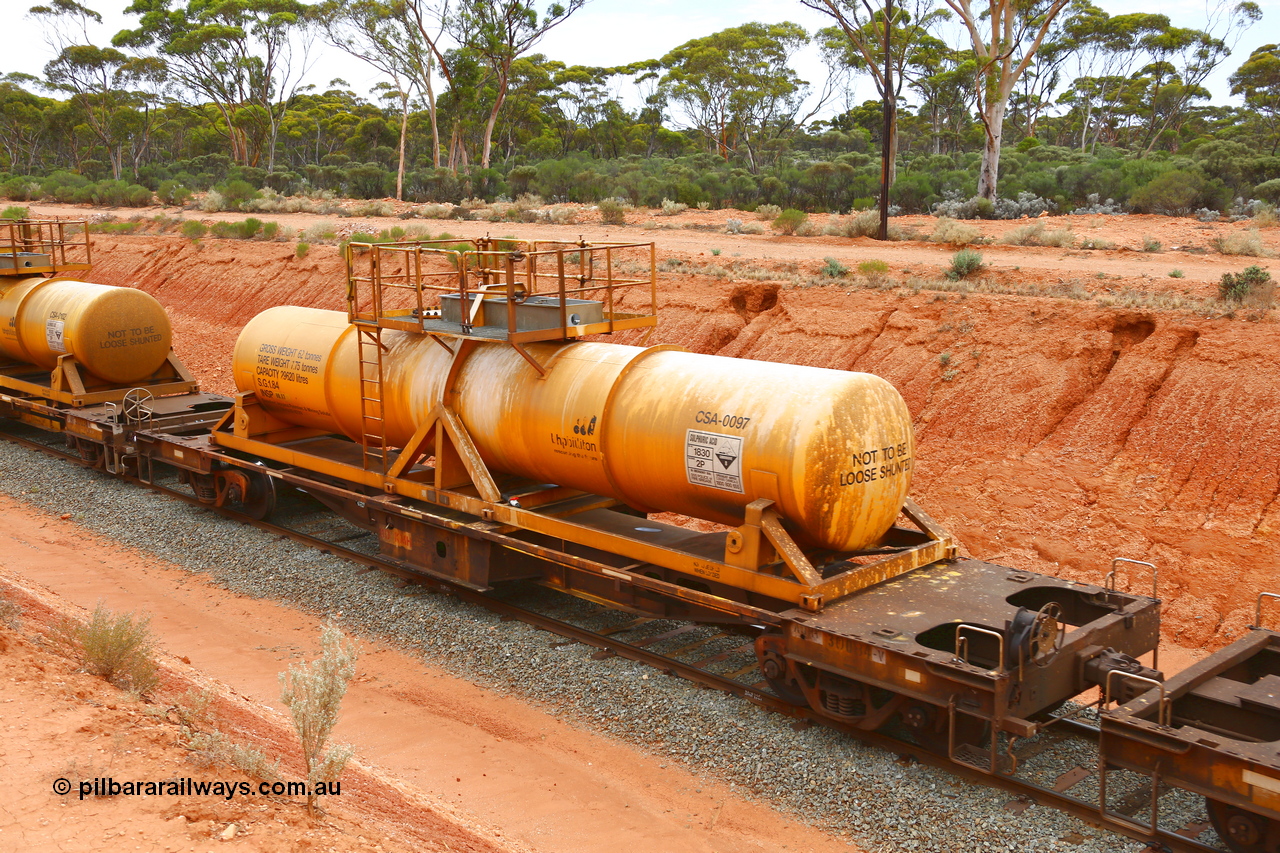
x,y
1157,839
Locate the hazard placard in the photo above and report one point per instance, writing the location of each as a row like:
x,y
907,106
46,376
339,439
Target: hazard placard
x,y
713,459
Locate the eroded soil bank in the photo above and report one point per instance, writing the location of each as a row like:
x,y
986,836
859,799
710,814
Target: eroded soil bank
x,y
1053,433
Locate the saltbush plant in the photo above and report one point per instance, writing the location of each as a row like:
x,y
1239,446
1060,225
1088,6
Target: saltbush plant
x,y
964,263
313,694
832,268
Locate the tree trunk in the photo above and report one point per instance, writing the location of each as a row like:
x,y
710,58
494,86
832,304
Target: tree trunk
x,y
435,123
893,155
489,125
993,123
404,130
1084,124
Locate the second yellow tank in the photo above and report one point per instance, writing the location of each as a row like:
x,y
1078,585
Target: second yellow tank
x,y
659,428
118,334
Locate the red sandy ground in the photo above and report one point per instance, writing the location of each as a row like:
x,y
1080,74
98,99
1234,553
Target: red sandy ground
x,y
1053,434
443,764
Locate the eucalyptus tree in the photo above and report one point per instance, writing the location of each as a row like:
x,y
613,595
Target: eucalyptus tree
x,y
384,35
101,84
23,125
943,78
1258,80
113,92
857,42
1106,50
737,88
245,57
498,32
1183,58
1005,36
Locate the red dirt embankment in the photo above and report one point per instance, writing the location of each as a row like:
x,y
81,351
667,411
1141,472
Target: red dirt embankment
x,y
1053,435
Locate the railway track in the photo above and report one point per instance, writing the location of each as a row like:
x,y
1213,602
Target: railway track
x,y
724,660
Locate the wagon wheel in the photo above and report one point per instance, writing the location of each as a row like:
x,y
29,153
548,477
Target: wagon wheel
x,y
247,491
774,668
261,500
1243,831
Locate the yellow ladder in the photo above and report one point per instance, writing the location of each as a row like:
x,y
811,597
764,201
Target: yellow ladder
x,y
373,426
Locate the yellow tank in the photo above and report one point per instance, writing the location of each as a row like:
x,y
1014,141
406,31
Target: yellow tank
x,y
659,428
118,334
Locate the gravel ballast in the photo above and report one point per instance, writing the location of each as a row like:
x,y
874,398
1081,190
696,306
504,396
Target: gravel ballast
x,y
823,777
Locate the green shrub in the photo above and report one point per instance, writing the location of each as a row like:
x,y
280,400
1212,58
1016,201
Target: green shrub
x,y
833,269
1267,191
1176,273
115,646
136,195
1151,244
246,230
301,249
236,193
20,189
1253,286
789,220
1174,192
613,211
173,193
270,230
194,229
964,263
15,212
874,271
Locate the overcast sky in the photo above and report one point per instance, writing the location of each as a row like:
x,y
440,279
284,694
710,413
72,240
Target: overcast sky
x,y
616,32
